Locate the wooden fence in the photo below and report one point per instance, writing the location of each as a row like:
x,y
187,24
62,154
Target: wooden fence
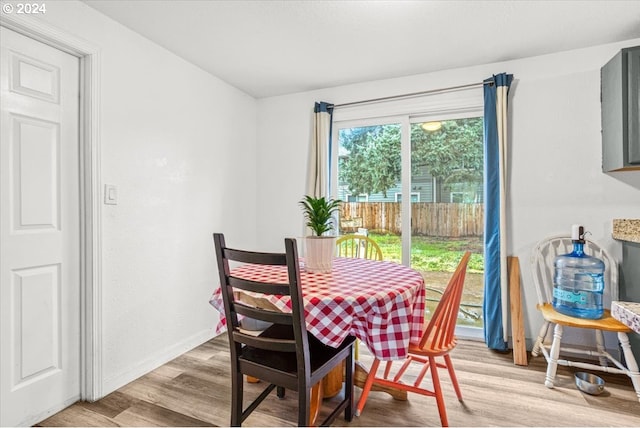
x,y
428,218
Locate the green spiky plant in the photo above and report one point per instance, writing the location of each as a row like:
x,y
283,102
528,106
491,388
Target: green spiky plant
x,y
318,212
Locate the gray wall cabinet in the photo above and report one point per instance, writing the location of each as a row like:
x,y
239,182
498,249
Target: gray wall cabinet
x,y
620,105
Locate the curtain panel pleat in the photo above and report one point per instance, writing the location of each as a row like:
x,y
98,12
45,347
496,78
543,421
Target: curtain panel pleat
x,y
318,170
496,303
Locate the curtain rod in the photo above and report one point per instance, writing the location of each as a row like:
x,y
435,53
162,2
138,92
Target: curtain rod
x,y
414,94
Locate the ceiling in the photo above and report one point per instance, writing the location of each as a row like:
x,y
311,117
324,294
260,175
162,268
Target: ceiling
x,y
272,47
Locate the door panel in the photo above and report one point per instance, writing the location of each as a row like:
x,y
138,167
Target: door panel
x,y
35,159
447,209
39,230
34,78
36,292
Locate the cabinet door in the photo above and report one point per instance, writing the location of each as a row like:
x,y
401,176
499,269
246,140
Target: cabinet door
x,y
633,67
620,110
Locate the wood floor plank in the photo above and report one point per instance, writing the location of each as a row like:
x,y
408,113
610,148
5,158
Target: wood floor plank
x,y
206,351
192,403
194,389
168,371
148,414
78,416
111,405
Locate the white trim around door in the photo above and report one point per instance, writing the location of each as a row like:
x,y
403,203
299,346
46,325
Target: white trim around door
x,y
90,191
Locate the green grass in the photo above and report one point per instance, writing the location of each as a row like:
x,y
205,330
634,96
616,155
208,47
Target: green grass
x,y
433,254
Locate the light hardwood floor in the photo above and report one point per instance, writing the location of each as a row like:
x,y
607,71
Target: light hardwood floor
x,y
194,389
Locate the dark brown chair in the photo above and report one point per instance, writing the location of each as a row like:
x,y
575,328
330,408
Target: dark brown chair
x,y
284,355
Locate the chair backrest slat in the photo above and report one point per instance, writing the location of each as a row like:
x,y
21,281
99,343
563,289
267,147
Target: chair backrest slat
x,y
441,328
281,345
263,314
259,287
253,257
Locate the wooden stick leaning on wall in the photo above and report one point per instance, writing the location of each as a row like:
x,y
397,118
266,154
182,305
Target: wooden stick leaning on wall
x,y
517,320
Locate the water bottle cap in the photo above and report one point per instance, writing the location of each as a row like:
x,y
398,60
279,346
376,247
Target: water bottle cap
x,y
577,233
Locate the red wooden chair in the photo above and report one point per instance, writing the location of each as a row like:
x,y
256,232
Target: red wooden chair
x,y
438,340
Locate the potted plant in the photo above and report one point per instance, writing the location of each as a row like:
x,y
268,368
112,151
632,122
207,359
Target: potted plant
x,y
319,247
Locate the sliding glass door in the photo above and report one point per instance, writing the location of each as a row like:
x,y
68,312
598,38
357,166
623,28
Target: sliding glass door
x,y
368,156
414,185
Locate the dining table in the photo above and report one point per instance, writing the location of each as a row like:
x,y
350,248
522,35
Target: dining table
x,y
382,303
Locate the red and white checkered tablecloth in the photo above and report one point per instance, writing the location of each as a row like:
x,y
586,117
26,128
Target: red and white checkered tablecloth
x,y
380,302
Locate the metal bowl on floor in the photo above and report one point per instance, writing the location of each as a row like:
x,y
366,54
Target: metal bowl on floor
x,y
589,383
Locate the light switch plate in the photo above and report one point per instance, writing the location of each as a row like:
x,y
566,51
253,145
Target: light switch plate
x,y
110,194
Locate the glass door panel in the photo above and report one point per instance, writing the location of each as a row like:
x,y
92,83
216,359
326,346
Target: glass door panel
x,y
447,209
369,182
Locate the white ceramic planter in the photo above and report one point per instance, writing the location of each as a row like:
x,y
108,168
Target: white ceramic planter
x,y
319,252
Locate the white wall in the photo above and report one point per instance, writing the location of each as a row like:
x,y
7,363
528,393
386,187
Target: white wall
x,y
179,145
555,153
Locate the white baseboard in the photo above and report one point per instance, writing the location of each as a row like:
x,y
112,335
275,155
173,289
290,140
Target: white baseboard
x,y
154,361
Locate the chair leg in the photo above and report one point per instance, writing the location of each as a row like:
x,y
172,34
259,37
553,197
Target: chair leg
x,y
349,386
280,392
367,386
552,363
630,360
600,348
452,375
438,392
304,410
540,340
236,399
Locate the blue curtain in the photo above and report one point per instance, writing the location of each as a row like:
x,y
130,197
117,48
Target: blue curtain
x,y
495,306
319,165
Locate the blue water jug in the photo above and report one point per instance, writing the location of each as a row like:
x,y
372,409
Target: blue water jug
x,y
578,281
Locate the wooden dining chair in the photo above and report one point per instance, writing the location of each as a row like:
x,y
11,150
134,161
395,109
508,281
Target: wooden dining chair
x,y
542,260
284,355
438,340
358,246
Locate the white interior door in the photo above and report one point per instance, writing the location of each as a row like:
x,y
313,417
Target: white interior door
x,y
39,230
